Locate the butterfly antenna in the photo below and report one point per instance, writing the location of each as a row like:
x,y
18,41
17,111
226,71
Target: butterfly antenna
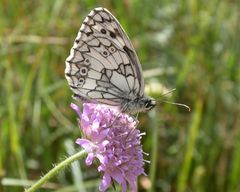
x,y
178,104
174,103
170,91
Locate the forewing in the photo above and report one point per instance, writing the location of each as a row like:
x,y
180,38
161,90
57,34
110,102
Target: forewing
x,y
103,65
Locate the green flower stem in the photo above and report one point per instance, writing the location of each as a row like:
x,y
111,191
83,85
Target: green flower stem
x,y
55,170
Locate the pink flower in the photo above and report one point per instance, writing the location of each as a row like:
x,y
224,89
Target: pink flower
x,y
112,138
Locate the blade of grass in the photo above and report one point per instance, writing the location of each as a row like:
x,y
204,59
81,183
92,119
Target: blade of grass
x,y
191,140
234,173
15,145
154,151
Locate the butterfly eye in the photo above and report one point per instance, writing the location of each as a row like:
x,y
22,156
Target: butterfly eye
x,y
150,103
83,71
80,82
105,53
112,49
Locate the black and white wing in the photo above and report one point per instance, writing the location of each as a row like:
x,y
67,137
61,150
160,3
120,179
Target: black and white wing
x,y
103,66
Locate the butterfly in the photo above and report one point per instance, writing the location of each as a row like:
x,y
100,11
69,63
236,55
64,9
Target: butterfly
x,y
103,66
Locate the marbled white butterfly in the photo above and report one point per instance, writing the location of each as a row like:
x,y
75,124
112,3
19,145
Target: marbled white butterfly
x,y
103,66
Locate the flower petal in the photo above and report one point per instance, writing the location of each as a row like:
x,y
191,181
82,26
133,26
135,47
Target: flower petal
x,y
106,181
76,108
117,176
124,186
86,144
89,159
133,185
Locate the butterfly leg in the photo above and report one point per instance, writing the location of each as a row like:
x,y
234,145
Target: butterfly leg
x,y
136,117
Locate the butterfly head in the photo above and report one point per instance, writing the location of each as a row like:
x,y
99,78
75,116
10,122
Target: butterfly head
x,y
149,103
140,104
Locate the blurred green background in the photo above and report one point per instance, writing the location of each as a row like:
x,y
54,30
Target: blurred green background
x,y
193,46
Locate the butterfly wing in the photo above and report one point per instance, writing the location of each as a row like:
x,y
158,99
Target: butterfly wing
x,y
103,66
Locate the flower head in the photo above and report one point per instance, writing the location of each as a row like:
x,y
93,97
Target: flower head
x,y
112,138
